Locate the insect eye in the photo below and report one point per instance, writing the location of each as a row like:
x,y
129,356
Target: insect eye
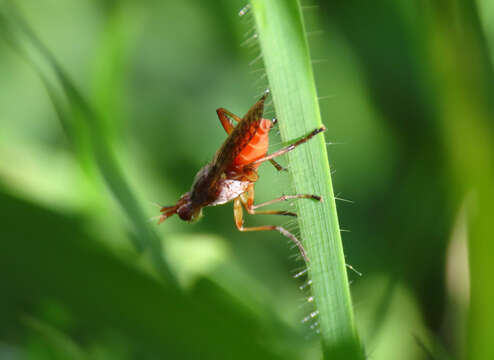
x,y
185,212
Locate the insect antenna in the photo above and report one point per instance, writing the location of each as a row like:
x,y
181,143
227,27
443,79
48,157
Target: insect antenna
x,y
167,211
166,208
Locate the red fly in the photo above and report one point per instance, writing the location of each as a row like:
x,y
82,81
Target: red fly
x,y
233,172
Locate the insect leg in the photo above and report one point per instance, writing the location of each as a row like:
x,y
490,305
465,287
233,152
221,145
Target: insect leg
x,y
277,166
287,197
290,147
247,200
225,121
239,222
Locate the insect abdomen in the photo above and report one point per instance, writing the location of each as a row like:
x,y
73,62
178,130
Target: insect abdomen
x,y
257,147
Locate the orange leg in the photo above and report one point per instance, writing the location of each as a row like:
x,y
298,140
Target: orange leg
x,y
225,121
223,115
251,210
287,197
247,200
290,147
239,222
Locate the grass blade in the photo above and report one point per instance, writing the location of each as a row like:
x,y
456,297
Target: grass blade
x,y
465,72
79,116
286,57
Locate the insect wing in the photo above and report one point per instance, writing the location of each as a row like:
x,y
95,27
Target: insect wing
x,y
241,135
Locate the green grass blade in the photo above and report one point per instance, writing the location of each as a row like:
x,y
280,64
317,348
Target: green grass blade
x,y
287,61
61,345
80,116
466,77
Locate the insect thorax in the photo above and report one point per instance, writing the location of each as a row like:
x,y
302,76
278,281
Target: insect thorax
x,y
229,190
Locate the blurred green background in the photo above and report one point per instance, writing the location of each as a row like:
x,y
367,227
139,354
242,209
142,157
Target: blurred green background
x,y
407,96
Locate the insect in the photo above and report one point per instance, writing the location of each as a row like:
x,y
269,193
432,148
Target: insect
x,y
232,173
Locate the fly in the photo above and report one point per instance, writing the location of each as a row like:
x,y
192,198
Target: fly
x,y
232,173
